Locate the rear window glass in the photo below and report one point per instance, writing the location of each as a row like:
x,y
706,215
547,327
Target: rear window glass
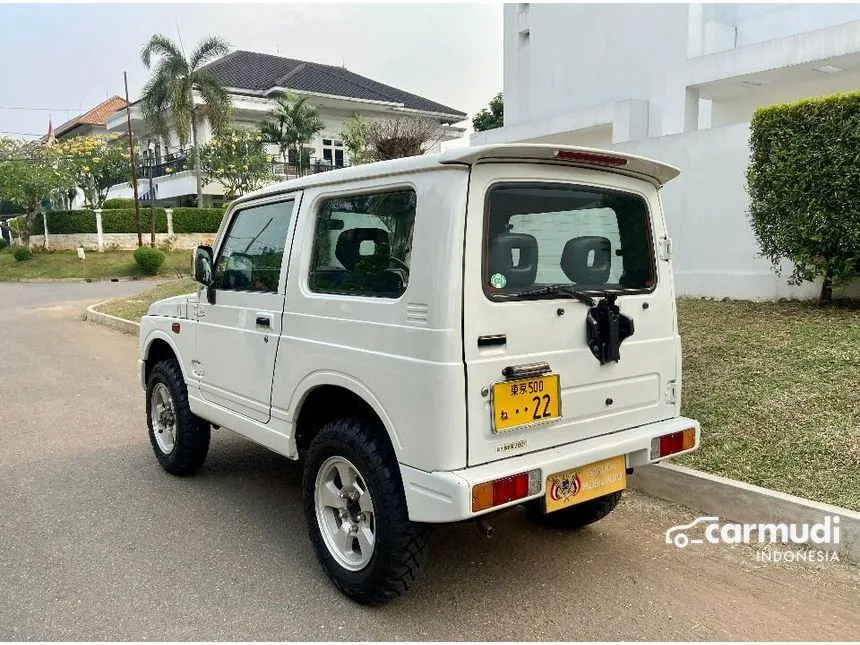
x,y
560,234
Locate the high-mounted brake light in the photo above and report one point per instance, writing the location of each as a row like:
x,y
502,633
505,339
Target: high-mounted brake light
x,y
670,444
504,490
590,157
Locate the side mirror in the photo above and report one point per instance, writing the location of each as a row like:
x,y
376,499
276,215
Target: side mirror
x,y
203,269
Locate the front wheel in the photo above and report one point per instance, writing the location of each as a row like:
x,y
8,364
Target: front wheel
x,y
576,516
356,512
179,439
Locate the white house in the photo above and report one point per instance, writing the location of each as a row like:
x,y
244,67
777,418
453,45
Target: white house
x,y
254,80
678,82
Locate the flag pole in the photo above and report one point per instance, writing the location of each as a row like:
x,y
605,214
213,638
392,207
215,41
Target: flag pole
x,y
133,166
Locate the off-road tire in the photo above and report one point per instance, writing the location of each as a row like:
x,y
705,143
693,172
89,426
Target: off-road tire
x,y
577,516
192,432
400,549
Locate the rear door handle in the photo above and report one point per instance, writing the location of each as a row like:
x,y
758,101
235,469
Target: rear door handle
x,y
492,340
264,321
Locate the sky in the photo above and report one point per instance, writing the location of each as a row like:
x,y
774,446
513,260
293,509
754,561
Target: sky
x,y
68,58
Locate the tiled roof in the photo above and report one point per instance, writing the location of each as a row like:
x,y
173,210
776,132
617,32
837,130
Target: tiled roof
x,y
96,116
257,72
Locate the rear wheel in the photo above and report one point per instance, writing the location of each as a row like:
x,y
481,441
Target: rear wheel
x,y
179,439
356,512
577,516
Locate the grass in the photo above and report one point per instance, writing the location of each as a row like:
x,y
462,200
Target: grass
x,y
134,307
776,387
65,264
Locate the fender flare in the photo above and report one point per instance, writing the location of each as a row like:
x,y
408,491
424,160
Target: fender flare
x,y
347,382
160,334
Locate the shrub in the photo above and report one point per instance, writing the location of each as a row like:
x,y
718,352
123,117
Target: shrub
x,y
21,253
804,186
149,259
3,243
119,202
121,220
66,222
197,220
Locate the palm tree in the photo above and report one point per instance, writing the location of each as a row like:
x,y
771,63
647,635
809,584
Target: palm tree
x,y
170,92
292,124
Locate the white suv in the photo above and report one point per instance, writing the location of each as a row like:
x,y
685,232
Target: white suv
x,y
438,337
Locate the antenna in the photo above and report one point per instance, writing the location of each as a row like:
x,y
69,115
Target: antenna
x,y
277,48
181,46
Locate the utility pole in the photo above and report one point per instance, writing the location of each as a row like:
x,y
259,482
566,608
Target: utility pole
x,y
133,165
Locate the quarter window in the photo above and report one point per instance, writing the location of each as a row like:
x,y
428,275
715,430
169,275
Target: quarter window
x,y
253,250
363,244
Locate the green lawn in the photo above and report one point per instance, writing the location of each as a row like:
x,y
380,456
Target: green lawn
x,y
134,307
776,387
110,264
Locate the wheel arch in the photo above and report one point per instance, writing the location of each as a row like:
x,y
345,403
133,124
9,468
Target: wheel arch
x,y
157,347
324,396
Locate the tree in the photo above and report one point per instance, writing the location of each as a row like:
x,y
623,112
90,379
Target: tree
x,y
804,186
401,137
237,159
492,118
30,175
291,126
170,92
354,135
96,163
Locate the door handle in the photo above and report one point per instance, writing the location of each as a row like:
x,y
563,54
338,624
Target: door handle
x,y
264,321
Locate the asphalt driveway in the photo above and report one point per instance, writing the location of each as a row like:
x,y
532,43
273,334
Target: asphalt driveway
x,y
96,542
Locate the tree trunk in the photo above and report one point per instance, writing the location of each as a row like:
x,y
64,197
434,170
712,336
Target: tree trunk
x,y
196,149
826,288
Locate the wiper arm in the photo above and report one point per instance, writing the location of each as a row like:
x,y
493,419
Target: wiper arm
x,y
549,290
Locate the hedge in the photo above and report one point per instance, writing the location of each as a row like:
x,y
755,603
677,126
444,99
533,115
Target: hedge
x,y
121,220
197,220
120,202
804,187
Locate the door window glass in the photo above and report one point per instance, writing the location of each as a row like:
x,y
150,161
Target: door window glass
x,y
253,250
363,244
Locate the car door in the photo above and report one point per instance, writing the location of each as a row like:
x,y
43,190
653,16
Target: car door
x,y
238,335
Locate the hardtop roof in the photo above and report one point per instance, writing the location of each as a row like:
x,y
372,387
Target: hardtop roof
x,y
648,169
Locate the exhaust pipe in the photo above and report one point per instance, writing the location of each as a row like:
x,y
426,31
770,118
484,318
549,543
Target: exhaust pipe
x,y
484,528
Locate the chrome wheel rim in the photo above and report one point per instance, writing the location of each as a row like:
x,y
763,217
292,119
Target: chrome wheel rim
x,y
345,515
163,416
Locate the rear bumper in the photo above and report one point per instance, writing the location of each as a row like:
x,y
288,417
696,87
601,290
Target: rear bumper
x,y
446,496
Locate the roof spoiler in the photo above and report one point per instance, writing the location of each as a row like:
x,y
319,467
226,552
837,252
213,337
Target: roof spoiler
x,y
610,160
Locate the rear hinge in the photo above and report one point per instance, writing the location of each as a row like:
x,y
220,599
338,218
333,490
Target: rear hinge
x,y
672,392
666,248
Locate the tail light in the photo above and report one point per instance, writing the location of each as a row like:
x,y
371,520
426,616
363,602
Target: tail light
x,y
670,444
506,489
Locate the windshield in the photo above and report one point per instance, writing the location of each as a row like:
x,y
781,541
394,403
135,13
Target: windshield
x,y
589,239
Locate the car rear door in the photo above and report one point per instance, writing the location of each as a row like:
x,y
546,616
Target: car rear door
x,y
531,225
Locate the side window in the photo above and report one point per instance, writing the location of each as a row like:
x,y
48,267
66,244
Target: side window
x,y
253,250
363,244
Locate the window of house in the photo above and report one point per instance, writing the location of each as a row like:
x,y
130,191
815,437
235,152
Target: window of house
x,y
363,244
332,150
253,249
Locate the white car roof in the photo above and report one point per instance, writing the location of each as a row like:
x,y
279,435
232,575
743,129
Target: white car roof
x,y
622,163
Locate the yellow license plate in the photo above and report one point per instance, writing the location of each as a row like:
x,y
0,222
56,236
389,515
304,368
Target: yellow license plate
x,y
586,482
526,401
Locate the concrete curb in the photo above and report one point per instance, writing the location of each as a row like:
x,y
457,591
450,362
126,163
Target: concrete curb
x,y
120,324
740,502
64,280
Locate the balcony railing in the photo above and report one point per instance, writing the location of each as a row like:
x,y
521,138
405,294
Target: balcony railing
x,y
183,160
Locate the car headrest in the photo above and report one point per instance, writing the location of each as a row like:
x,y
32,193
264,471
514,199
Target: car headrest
x,y
515,256
575,260
348,248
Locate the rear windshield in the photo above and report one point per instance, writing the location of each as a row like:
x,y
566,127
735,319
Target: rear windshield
x,y
544,234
